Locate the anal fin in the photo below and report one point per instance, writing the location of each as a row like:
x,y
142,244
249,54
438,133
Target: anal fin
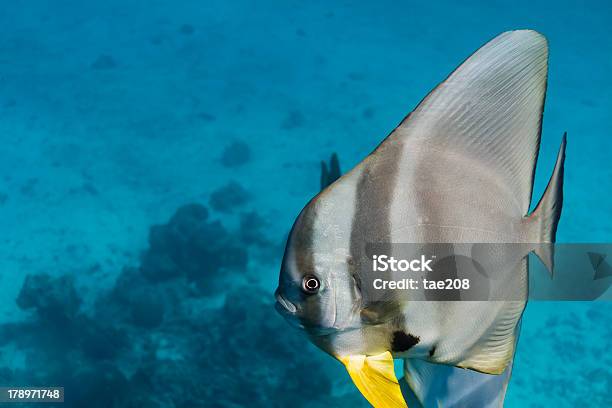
x,y
494,349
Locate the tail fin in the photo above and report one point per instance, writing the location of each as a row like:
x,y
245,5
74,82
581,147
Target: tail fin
x,y
545,217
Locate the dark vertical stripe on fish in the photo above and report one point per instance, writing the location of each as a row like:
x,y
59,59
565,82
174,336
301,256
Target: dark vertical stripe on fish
x,y
371,222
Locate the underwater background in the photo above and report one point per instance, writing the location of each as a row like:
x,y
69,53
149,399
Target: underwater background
x,y
154,155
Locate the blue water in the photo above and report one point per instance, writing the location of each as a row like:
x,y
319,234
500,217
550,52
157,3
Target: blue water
x,y
114,114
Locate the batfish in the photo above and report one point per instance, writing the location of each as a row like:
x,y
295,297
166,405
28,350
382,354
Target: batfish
x,y
458,169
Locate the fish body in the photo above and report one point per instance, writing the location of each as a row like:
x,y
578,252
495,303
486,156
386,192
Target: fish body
x,y
458,169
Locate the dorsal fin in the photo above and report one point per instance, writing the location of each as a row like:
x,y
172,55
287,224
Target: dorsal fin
x,y
489,110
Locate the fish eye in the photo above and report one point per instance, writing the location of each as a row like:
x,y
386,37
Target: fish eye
x,y
310,284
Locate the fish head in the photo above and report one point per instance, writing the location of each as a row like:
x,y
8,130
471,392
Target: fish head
x,y
318,294
315,293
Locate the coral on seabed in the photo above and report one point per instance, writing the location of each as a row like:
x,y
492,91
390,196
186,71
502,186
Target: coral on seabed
x,y
227,198
236,154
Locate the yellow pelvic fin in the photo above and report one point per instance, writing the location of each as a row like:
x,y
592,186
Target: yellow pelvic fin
x,y
375,377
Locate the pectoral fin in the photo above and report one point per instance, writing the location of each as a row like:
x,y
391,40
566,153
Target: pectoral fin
x,y
379,312
375,377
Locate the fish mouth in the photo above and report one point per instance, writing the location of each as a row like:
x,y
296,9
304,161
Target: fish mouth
x,y
289,311
283,305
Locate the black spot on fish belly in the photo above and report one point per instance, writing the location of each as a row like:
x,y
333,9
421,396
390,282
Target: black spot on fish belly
x,y
402,341
432,351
